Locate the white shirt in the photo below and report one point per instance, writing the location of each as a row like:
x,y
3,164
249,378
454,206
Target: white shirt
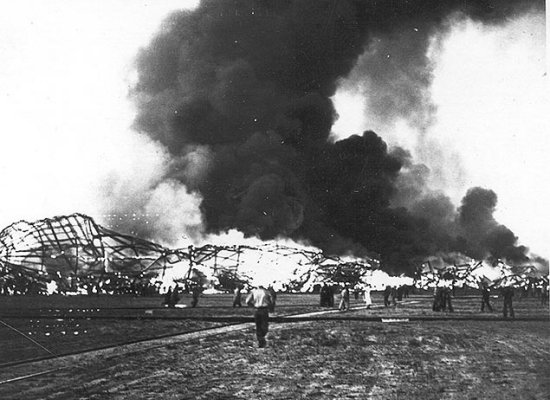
x,y
259,298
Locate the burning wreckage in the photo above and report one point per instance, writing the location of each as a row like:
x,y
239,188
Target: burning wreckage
x,y
74,254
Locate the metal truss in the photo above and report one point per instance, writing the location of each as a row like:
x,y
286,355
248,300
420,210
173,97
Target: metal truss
x,y
521,275
76,246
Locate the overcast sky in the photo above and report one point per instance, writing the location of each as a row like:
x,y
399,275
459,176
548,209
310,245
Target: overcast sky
x,y
67,65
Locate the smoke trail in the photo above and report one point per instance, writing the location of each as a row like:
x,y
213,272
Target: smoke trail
x,y
239,93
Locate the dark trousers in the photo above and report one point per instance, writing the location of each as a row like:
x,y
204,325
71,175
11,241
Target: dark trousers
x,y
344,305
485,302
261,318
508,307
447,303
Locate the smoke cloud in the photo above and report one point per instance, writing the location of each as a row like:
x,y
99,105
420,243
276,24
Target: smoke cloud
x,y
481,232
239,92
147,199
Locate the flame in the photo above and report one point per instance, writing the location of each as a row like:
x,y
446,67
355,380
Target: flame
x,y
51,287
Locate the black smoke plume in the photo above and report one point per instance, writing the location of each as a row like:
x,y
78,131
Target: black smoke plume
x,y
481,233
247,84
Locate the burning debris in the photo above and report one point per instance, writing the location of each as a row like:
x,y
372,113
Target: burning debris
x,y
80,255
73,254
68,249
476,274
76,245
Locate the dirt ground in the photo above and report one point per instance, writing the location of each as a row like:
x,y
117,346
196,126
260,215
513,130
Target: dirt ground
x,y
345,357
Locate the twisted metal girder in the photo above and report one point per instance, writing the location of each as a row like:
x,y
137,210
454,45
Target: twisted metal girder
x,y
76,246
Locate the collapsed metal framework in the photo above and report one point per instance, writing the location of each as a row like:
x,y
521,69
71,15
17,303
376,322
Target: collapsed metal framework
x,y
520,275
431,276
76,246
328,266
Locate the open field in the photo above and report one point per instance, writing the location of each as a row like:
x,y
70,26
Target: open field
x,y
330,355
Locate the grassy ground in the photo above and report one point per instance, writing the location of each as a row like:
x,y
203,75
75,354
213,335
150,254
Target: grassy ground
x,y
333,358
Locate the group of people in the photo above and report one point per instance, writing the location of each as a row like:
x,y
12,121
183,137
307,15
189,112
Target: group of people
x,y
442,299
391,295
263,301
507,293
327,296
172,296
345,297
16,283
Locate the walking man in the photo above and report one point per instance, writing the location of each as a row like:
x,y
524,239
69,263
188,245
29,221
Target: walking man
x,y
367,297
344,299
261,300
237,297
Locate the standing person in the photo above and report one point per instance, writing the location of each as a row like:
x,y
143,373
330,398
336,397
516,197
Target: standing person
x,y
544,294
366,295
331,296
237,297
261,300
400,293
485,296
387,293
436,306
175,296
325,295
168,297
447,296
273,294
195,292
344,299
508,294
393,295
